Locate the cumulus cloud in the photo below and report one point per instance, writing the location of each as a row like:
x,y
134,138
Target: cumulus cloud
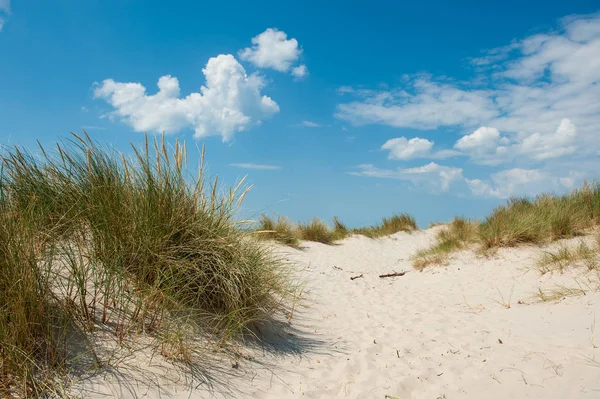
x,y
272,49
229,102
532,105
403,149
519,182
524,90
486,146
431,177
300,71
254,166
4,12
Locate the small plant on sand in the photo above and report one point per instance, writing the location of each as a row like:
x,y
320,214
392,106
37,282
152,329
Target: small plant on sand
x,y
457,235
565,257
340,231
389,226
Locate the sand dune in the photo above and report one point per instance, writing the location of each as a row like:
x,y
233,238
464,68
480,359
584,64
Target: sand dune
x,y
472,329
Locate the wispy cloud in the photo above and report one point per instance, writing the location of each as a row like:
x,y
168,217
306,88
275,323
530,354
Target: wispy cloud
x,y
4,12
255,166
531,105
309,124
92,127
537,82
432,177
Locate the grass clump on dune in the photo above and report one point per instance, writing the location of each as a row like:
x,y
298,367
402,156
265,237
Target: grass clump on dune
x,y
316,230
389,225
544,219
90,238
283,231
455,236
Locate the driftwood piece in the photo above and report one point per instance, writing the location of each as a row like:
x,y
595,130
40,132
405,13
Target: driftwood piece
x,y
355,277
395,274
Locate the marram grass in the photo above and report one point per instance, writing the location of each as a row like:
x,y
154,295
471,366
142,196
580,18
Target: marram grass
x,y
543,219
317,230
89,237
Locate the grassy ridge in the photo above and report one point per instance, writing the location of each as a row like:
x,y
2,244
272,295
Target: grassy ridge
x,y
283,231
89,237
520,221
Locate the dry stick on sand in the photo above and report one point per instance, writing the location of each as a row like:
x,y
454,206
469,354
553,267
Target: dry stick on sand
x,y
395,274
355,277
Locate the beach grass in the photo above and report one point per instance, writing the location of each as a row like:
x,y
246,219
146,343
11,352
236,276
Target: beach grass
x,y
457,235
91,238
317,230
538,220
389,225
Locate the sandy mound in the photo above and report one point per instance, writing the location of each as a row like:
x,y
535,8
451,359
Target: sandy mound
x,y
472,329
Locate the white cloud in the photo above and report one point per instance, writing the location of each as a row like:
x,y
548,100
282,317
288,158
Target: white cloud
x,y
484,137
230,102
255,166
486,146
272,49
431,105
524,90
4,12
309,124
561,143
403,149
431,177
512,182
300,71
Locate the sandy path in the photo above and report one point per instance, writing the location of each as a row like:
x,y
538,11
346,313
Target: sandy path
x,y
442,333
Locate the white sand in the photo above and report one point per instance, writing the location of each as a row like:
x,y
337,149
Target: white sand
x,y
441,333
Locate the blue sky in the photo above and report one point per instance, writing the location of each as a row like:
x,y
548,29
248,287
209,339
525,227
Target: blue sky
x,y
355,109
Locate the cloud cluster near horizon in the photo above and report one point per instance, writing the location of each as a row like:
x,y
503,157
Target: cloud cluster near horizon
x,y
533,105
230,101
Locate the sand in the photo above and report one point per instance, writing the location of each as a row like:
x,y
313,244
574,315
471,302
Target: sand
x,y
471,329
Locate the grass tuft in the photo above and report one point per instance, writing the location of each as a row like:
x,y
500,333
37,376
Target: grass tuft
x,y
544,219
280,230
457,235
389,226
316,230
90,238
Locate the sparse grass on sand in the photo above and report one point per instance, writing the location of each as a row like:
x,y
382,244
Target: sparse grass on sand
x,y
455,236
521,221
389,225
280,230
90,239
317,230
585,256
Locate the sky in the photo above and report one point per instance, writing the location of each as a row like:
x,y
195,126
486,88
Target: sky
x,y
337,108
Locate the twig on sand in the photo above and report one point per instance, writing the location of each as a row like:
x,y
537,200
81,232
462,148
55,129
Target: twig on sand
x,y
395,274
355,277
